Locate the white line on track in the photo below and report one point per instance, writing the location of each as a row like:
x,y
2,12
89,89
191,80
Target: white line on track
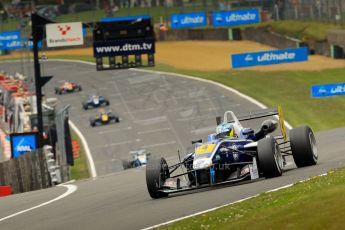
x,y
70,189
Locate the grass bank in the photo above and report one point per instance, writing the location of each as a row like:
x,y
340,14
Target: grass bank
x,y
315,204
80,169
304,30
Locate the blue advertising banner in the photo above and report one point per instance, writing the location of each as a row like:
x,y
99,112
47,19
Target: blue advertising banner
x,y
328,90
125,47
188,20
10,40
22,143
236,17
129,18
271,57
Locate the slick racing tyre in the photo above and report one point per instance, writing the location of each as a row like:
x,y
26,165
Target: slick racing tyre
x,y
303,146
270,158
157,172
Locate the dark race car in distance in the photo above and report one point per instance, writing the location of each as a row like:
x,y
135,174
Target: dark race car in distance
x,y
95,101
68,87
104,118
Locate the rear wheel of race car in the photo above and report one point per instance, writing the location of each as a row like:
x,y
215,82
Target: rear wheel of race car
x,y
79,88
303,146
107,103
157,172
85,106
270,158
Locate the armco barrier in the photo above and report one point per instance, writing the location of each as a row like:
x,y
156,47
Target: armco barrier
x,y
26,173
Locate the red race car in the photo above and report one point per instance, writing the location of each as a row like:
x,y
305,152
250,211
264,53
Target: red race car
x,y
67,87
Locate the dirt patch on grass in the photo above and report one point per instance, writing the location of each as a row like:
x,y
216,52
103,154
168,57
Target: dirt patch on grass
x,y
211,56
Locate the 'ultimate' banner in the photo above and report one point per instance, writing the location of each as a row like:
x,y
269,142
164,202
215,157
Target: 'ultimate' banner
x,y
271,57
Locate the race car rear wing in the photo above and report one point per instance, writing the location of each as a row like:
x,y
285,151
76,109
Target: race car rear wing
x,y
258,114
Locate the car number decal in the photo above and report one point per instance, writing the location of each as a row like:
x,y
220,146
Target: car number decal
x,y
105,117
205,149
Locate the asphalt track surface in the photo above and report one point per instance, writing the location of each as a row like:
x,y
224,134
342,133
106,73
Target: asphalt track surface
x,y
119,199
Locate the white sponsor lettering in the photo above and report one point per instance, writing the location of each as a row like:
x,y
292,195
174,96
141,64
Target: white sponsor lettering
x,y
338,89
276,57
23,148
9,37
64,34
240,17
192,20
125,47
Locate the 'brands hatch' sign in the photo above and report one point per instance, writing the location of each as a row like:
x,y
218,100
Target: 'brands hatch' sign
x,y
64,34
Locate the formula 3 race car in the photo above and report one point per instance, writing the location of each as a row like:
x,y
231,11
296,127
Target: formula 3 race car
x,y
95,101
234,154
67,87
104,118
138,158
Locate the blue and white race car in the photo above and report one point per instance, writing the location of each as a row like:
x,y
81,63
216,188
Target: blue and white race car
x,y
95,101
234,154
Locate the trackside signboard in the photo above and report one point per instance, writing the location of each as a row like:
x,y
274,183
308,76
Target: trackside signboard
x,y
12,40
22,143
124,47
129,18
328,90
236,17
178,21
271,57
64,34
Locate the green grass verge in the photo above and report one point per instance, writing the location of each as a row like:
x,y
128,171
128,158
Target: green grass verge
x,y
315,204
304,30
80,169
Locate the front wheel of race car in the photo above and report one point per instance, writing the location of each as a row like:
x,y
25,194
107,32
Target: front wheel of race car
x,y
303,146
270,158
157,171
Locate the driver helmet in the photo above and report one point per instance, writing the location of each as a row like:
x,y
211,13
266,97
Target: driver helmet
x,y
225,130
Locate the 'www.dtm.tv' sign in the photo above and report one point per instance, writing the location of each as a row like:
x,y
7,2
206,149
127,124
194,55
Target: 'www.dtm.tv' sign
x,y
188,20
236,17
269,57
